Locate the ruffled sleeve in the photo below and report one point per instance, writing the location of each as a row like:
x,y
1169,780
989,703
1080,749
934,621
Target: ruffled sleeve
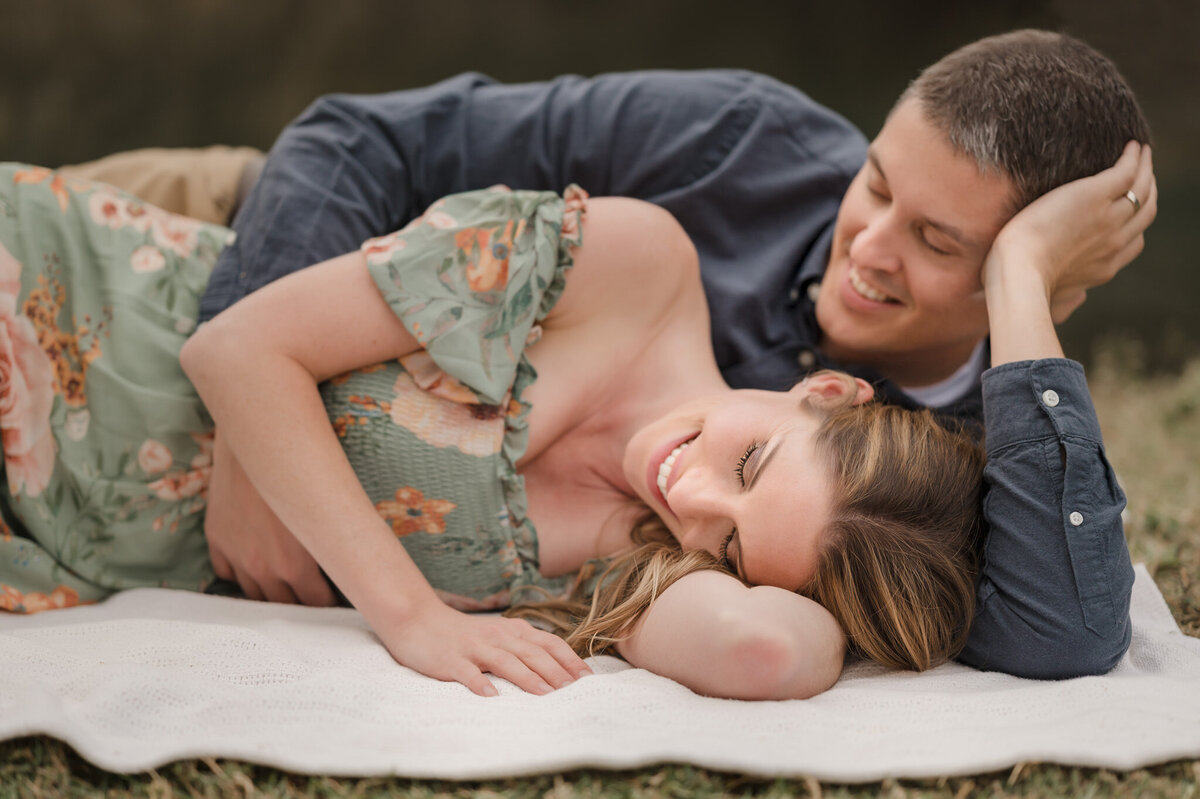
x,y
473,275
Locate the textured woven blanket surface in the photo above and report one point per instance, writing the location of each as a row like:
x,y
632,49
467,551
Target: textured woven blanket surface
x,y
152,676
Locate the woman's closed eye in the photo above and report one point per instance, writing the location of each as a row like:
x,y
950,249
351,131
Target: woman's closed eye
x,y
723,555
740,469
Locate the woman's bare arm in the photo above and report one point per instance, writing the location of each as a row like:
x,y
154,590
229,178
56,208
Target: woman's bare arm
x,y
257,368
720,638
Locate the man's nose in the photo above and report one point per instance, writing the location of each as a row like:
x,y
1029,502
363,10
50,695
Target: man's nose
x,y
876,246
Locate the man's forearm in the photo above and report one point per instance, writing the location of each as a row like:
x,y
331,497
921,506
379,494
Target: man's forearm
x,y
1056,584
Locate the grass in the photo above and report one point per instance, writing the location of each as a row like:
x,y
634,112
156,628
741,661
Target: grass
x,y
1152,433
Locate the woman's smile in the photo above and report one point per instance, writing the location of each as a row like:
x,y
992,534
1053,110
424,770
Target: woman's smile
x,y
661,465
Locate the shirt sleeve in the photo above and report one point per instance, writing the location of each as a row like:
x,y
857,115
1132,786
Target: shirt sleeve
x,y
1054,592
356,166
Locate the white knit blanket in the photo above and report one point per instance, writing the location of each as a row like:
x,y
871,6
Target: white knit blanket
x,y
152,676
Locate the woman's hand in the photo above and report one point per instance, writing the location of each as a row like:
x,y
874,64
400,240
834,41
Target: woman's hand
x,y
446,644
1081,234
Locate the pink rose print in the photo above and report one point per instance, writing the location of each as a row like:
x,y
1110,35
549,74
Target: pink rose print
x,y
174,233
154,457
574,209
379,250
26,391
147,258
175,486
440,220
430,378
205,441
108,209
474,429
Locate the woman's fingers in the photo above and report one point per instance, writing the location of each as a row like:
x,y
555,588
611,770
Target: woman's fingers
x,y
509,666
449,645
533,660
476,681
562,653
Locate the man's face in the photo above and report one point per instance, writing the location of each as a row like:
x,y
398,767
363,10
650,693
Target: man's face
x,y
902,292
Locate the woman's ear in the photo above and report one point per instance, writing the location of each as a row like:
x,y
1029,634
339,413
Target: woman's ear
x,y
864,391
829,386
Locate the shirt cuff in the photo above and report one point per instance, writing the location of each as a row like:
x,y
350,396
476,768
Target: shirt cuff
x,y
1032,400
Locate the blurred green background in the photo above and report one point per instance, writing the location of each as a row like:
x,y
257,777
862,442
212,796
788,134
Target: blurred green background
x,y
83,78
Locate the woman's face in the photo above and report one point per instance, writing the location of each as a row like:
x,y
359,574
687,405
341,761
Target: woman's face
x,y
738,476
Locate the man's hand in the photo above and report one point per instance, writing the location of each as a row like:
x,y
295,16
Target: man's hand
x,y
249,544
1075,237
1081,234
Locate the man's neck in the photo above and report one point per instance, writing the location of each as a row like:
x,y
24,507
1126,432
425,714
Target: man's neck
x,y
909,369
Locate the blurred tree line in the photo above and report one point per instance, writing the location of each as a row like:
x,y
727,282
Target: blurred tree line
x,y
82,78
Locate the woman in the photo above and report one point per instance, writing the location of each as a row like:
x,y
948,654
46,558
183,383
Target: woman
x,y
425,350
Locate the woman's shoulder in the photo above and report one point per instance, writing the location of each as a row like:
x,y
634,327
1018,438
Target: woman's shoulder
x,y
635,261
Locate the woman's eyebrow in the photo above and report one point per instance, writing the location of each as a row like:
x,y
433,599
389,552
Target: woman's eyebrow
x,y
762,463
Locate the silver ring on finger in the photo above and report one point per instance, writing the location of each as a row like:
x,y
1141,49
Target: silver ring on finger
x,y
1137,204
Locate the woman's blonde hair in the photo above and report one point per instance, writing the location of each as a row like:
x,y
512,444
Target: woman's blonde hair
x,y
897,563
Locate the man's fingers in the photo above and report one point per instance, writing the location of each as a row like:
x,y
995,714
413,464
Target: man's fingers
x,y
220,563
275,590
249,586
313,589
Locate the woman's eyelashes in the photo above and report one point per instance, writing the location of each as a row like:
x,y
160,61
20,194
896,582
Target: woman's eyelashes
x,y
740,469
724,552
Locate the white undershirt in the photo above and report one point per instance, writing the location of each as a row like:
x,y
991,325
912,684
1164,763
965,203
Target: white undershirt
x,y
954,387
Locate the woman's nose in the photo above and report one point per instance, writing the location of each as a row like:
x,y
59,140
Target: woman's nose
x,y
702,508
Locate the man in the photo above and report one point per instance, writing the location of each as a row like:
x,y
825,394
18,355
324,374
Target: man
x,y
816,251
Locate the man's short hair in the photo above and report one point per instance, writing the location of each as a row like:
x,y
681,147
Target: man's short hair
x,y
1040,107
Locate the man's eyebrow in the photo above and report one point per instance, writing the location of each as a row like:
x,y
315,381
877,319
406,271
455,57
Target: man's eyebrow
x,y
942,227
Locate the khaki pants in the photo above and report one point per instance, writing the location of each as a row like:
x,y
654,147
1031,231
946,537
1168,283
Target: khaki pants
x,y
206,183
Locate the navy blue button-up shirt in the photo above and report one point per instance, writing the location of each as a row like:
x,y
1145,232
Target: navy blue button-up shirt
x,y
755,171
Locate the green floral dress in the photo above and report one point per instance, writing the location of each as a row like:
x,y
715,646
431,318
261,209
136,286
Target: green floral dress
x,y
108,449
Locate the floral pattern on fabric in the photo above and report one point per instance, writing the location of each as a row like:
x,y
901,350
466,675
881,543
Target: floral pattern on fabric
x,y
435,436
106,446
108,449
410,512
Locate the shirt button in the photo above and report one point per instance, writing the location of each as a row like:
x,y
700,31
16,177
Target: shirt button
x,y
794,294
1050,397
814,290
1076,518
806,359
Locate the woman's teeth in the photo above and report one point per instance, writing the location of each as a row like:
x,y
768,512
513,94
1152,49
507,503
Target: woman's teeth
x,y
664,469
862,288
